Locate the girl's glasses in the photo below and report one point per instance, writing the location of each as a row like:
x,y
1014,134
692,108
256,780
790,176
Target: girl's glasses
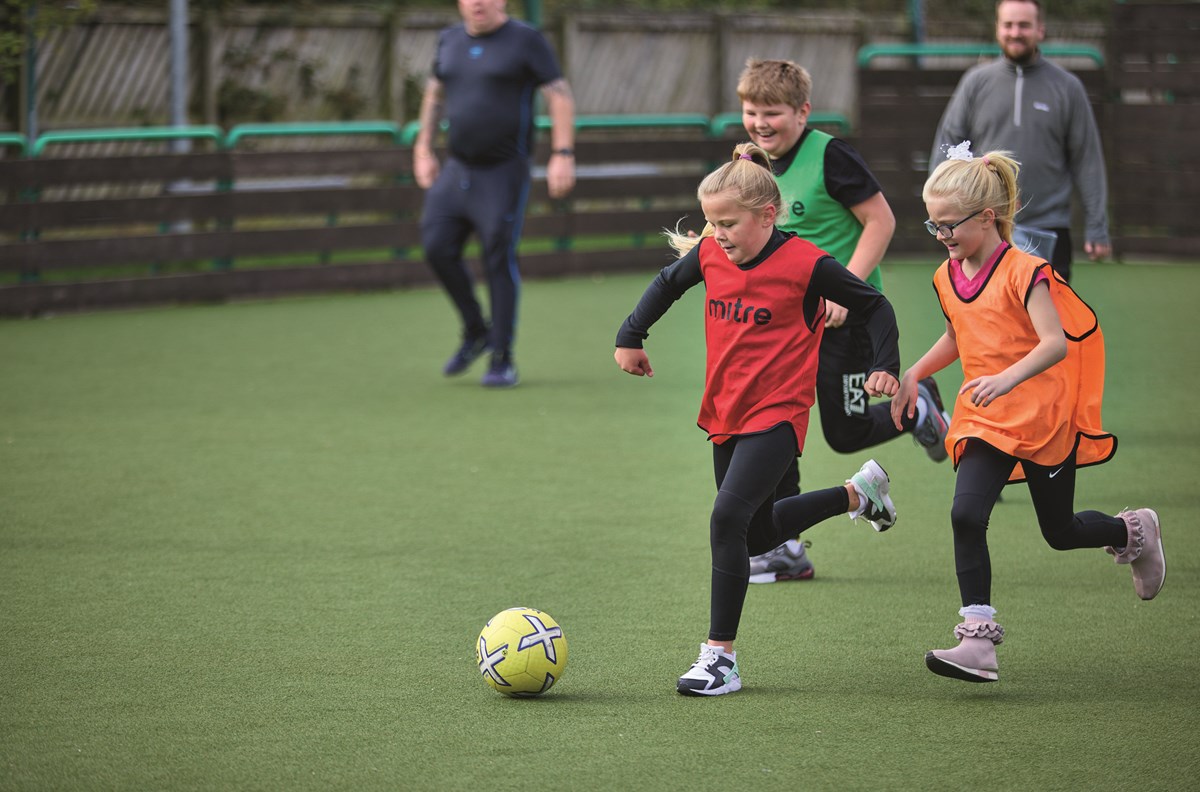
x,y
947,231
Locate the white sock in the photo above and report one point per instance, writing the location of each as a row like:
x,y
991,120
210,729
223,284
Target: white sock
x,y
862,501
985,612
922,410
794,545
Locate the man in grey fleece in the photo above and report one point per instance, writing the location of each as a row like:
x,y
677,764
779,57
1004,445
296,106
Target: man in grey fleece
x,y
1025,104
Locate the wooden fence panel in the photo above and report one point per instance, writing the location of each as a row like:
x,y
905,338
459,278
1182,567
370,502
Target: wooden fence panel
x,y
224,223
1153,48
1154,69
899,114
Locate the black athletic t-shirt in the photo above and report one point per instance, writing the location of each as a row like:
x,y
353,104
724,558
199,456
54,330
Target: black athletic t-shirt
x,y
848,180
488,86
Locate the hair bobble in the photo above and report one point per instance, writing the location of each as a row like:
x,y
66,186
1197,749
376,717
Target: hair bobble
x,y
960,152
986,161
746,156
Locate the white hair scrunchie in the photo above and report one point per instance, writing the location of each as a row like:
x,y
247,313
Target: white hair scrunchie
x,y
960,152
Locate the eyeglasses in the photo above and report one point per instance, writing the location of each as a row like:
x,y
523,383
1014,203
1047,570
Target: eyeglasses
x,y
947,231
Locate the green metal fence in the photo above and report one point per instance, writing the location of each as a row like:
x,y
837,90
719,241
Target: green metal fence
x,y
320,129
15,141
720,124
405,135
870,52
166,133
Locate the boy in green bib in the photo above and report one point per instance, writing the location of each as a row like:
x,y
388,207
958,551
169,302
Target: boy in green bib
x,y
832,199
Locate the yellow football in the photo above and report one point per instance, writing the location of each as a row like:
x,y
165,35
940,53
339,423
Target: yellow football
x,y
521,652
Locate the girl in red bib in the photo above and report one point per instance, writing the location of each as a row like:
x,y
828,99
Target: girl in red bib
x,y
764,310
1029,408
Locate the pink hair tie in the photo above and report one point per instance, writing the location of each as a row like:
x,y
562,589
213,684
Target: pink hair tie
x,y
987,161
745,156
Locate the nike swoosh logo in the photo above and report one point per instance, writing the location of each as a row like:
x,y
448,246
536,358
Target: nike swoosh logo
x,y
1055,473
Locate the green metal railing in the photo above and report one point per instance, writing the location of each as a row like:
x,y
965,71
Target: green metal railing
x,y
14,140
408,134
331,128
212,133
633,121
869,52
722,122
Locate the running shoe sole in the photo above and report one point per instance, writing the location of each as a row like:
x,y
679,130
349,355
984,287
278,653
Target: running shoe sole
x,y
947,669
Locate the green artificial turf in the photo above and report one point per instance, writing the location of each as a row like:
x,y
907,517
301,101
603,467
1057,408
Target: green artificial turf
x,y
250,546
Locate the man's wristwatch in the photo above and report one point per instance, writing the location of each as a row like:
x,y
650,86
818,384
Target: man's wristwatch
x,y
564,152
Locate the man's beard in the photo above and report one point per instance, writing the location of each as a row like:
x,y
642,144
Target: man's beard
x,y
1026,56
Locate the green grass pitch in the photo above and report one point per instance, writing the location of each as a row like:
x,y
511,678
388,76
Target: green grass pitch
x,y
250,546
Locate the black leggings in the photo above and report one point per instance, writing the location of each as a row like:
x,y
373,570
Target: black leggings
x,y
982,473
758,507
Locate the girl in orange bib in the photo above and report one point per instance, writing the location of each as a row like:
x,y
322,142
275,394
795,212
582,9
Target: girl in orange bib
x,y
1032,356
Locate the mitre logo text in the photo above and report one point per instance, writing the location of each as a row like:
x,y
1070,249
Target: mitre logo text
x,y
723,310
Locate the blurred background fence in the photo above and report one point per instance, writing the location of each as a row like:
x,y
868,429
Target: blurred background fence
x,y
271,205
345,62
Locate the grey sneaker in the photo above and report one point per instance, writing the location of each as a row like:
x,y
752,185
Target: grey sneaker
x,y
930,434
713,674
872,481
780,564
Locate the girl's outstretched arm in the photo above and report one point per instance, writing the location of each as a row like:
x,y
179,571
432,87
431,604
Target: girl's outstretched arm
x,y
943,352
1050,349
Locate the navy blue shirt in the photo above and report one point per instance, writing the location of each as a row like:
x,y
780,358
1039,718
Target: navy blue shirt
x,y
488,87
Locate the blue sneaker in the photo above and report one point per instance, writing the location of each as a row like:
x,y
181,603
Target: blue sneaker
x,y
501,374
472,347
713,674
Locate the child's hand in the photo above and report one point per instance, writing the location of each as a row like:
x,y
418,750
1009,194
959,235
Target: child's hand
x,y
634,361
835,315
881,383
904,403
986,390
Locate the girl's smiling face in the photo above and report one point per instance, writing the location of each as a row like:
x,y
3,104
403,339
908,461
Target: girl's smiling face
x,y
967,239
741,233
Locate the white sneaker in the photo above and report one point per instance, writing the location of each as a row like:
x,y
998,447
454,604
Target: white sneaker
x,y
781,564
713,674
872,482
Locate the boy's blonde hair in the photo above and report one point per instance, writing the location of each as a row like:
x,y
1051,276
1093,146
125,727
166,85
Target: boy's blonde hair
x,y
987,182
748,178
770,82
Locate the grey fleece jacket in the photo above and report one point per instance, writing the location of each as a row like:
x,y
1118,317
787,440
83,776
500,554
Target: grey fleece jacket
x,y
1040,112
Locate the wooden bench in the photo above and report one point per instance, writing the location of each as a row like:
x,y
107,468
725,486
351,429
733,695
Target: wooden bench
x,y
83,233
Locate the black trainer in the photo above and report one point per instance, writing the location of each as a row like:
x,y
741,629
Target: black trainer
x,y
930,434
467,354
